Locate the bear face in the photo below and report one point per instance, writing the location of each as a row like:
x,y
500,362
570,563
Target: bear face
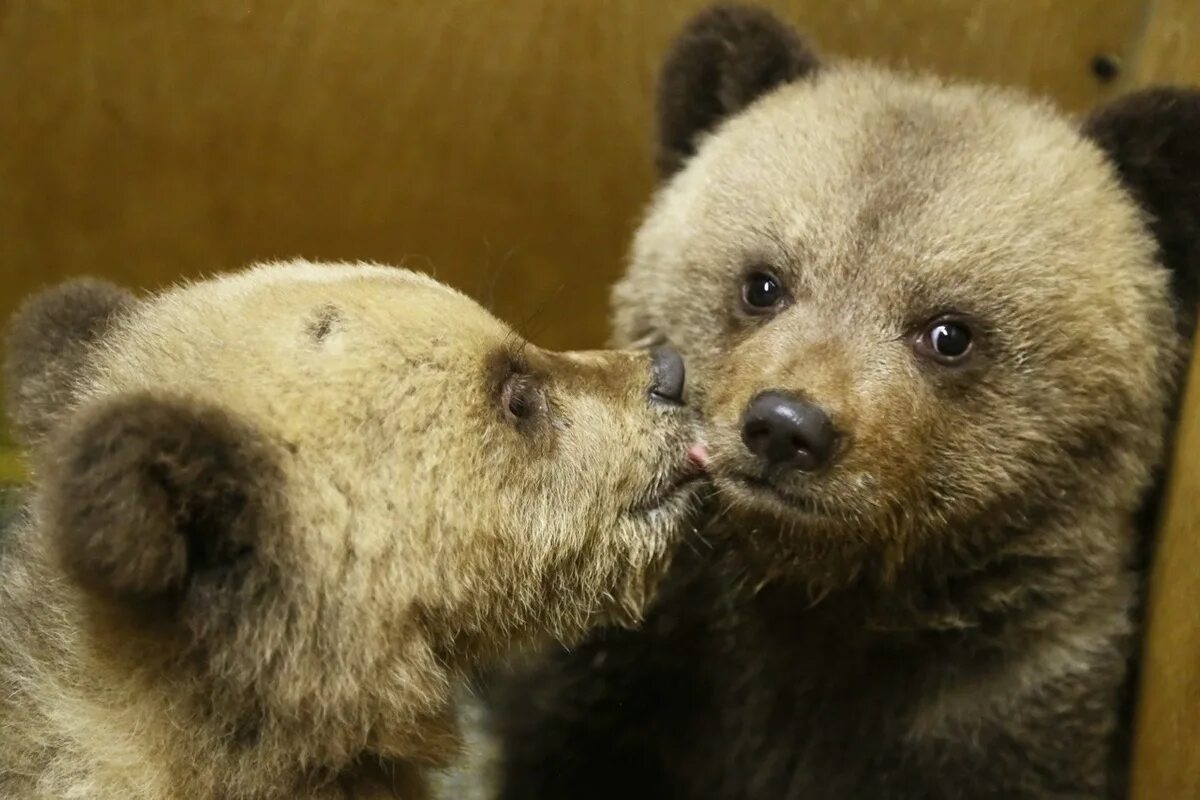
x,y
916,313
301,499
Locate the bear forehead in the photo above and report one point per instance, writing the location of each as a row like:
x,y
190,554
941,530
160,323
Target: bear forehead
x,y
295,328
915,179
294,289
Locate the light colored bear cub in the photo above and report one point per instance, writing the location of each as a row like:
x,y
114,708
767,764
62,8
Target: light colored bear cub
x,y
277,514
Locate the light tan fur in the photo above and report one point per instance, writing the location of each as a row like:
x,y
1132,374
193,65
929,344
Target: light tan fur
x,y
410,534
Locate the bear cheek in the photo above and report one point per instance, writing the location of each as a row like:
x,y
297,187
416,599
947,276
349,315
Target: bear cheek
x,y
888,446
890,434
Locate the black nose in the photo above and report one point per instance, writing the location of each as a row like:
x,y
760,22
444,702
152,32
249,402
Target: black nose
x,y
788,433
667,374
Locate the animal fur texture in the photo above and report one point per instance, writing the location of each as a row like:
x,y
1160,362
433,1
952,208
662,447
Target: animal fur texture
x,y
276,516
947,608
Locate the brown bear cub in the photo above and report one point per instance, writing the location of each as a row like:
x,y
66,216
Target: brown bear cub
x,y
277,514
936,330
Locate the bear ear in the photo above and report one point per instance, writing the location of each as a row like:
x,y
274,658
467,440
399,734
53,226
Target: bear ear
x,y
725,58
141,494
1153,138
47,343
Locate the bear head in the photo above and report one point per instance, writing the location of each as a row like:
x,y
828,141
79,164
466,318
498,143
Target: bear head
x,y
921,316
301,499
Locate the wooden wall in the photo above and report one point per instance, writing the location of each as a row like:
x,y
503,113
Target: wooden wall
x,y
502,144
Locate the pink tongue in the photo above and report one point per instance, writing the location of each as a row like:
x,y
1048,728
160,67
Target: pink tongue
x,y
698,455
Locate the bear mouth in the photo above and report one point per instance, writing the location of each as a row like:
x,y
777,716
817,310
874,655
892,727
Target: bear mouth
x,y
761,489
673,497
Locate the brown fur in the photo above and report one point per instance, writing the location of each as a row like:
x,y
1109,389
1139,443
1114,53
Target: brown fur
x,y
721,62
146,492
946,610
284,513
47,345
1151,137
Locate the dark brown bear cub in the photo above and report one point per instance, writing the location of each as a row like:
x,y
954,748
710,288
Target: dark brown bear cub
x,y
936,330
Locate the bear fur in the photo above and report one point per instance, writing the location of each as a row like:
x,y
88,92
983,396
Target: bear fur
x,y
276,516
947,608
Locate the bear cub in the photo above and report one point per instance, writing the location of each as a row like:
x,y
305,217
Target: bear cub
x,y
936,331
276,516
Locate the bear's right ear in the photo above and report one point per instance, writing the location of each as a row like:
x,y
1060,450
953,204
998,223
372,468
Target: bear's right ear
x,y
47,344
726,57
143,493
1152,138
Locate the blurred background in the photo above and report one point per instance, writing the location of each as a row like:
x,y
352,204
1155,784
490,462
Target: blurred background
x,y
502,145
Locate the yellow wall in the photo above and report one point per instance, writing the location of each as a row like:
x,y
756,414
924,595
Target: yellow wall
x,y
502,144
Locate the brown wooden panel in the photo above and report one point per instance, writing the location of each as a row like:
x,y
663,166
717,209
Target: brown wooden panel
x,y
1169,49
1167,749
503,145
1167,746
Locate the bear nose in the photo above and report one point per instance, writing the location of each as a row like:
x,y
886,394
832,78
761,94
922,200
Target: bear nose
x,y
667,374
788,433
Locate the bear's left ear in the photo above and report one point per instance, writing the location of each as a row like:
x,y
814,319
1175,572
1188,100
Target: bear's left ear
x,y
725,58
142,494
1153,138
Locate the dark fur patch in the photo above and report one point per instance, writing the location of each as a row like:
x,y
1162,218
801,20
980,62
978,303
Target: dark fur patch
x,y
144,492
48,340
327,320
725,58
1153,138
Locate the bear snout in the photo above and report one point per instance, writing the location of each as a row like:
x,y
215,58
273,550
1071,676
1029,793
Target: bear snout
x,y
667,376
785,432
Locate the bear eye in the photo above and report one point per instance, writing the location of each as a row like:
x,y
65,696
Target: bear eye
x,y
761,292
520,399
947,341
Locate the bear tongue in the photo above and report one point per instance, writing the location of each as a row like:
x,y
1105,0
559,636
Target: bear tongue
x,y
698,455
